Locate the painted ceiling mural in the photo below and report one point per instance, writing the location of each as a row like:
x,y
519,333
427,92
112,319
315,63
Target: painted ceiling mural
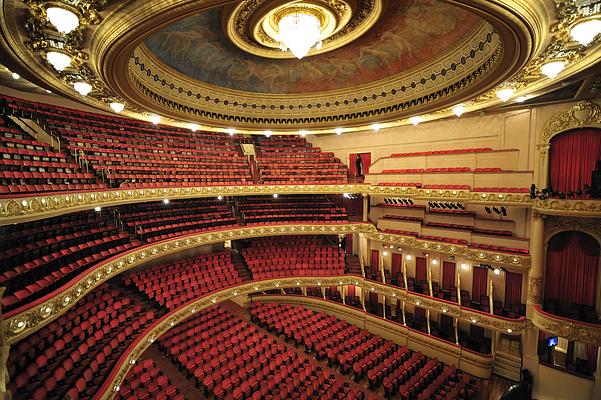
x,y
409,33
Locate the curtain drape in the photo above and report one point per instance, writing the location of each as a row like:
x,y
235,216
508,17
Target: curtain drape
x,y
365,163
572,158
572,268
420,269
349,243
513,289
448,274
351,291
480,276
397,263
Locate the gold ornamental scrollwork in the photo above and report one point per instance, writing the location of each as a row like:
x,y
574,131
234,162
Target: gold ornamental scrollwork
x,y
565,328
535,290
584,113
32,319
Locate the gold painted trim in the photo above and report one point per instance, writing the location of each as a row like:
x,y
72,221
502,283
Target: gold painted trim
x,y
588,208
566,328
22,209
29,321
520,263
134,352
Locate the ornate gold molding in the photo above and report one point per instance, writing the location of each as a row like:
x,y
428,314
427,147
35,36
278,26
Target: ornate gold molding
x,y
32,319
520,262
466,196
535,290
21,209
569,208
583,114
566,328
554,225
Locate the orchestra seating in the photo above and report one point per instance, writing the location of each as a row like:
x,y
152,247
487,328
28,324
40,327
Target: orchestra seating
x,y
230,358
146,381
293,255
258,210
39,256
28,165
292,160
172,284
72,356
159,221
364,355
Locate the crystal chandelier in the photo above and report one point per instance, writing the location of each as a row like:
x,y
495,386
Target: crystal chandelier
x,y
299,32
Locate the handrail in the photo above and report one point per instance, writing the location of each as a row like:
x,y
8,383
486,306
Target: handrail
x,y
583,332
27,319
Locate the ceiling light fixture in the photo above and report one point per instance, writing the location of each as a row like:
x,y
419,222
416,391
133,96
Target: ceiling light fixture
x,y
299,31
48,91
585,32
193,127
459,109
117,107
553,68
302,133
83,88
339,131
63,20
521,99
415,120
155,119
267,133
376,127
58,60
15,75
505,94
231,131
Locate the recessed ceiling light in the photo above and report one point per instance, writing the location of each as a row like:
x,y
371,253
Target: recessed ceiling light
x,y
83,88
415,120
155,119
63,20
339,131
48,91
231,131
459,109
58,60
584,32
376,127
15,75
267,133
193,127
505,94
553,68
117,107
303,133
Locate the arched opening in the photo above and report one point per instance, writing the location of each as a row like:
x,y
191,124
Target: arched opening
x,y
571,276
573,156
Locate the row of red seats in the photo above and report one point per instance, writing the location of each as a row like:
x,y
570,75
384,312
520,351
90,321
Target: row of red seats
x,y
502,189
173,284
353,349
147,381
230,358
453,187
53,251
443,152
282,159
293,255
401,184
73,355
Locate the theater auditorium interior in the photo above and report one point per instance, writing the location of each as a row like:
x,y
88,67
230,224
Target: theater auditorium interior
x,y
300,199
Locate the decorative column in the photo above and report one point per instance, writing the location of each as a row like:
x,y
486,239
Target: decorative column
x,y
491,302
543,171
384,307
4,350
428,320
537,257
403,310
304,289
343,294
455,322
404,258
458,288
365,207
363,299
429,275
382,268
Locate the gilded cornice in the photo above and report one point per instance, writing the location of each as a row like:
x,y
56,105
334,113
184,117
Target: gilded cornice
x,y
512,261
466,196
554,225
588,208
566,328
583,114
40,314
21,209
